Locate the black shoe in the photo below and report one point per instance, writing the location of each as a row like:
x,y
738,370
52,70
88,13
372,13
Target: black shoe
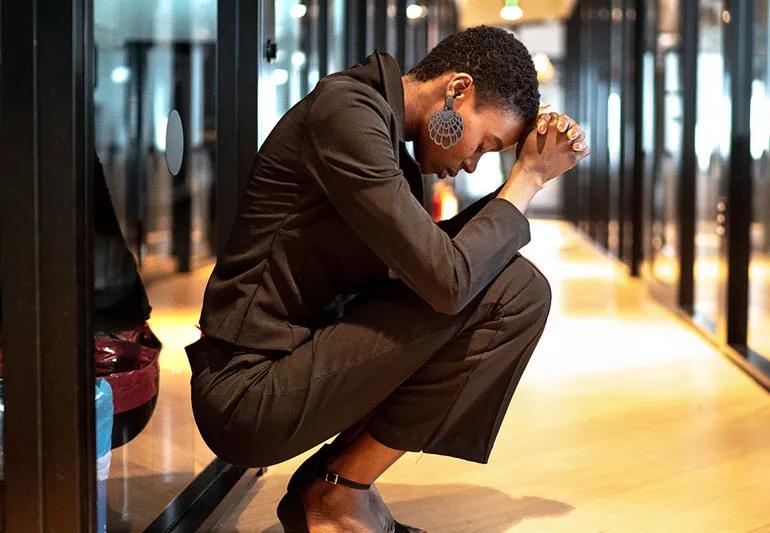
x,y
291,511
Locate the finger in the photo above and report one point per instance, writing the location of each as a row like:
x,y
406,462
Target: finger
x,y
565,123
580,136
545,120
575,133
580,146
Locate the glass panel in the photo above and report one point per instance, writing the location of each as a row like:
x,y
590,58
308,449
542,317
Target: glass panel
x,y
391,33
155,136
614,125
295,69
665,175
759,268
712,142
309,45
336,35
648,118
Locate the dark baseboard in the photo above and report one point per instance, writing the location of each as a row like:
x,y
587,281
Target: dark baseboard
x,y
195,503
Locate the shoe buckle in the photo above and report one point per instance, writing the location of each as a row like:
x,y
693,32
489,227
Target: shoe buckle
x,y
331,477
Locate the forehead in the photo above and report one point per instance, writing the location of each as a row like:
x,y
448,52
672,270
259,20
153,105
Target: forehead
x,y
508,127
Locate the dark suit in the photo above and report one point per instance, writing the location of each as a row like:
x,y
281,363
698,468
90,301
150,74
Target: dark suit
x,y
335,201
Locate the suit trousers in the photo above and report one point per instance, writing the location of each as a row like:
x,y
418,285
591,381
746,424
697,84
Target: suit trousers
x,y
422,380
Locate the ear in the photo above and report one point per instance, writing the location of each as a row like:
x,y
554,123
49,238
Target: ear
x,y
460,87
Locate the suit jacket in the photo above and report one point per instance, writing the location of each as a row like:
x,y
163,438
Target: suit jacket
x,y
333,202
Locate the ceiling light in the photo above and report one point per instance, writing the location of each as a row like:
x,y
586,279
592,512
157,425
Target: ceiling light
x,y
120,75
511,10
415,11
297,11
298,58
280,76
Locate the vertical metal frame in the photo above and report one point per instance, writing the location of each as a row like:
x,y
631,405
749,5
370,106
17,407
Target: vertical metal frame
x,y
637,185
738,63
355,32
47,280
572,88
688,165
380,25
401,33
241,46
323,37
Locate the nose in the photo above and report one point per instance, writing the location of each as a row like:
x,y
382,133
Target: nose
x,y
469,165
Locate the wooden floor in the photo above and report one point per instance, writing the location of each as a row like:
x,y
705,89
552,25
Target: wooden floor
x,y
625,420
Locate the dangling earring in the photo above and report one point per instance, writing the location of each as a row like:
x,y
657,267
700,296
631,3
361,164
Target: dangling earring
x,y
446,126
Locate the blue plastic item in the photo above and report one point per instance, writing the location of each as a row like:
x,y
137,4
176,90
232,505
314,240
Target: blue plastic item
x,y
104,410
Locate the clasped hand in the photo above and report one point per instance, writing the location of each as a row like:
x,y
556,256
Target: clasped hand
x,y
555,144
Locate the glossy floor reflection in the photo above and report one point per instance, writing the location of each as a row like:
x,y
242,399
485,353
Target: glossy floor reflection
x,y
625,420
148,472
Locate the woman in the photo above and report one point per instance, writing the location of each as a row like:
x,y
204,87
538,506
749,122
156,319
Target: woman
x,y
339,306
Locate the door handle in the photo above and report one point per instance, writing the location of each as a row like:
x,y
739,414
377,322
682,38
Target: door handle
x,y
271,50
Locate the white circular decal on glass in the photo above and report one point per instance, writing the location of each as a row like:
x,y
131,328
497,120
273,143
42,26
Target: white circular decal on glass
x,y
174,142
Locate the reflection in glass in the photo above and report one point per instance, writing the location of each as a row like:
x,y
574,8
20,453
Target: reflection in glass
x,y
712,141
759,267
153,214
284,80
336,36
648,112
668,136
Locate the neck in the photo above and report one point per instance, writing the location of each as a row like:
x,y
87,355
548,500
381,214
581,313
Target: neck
x,y
414,107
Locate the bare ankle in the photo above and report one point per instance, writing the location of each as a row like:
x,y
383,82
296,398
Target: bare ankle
x,y
330,500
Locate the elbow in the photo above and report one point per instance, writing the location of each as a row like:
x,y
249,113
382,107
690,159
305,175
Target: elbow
x,y
448,304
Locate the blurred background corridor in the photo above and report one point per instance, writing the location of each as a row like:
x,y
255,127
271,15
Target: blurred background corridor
x,y
129,129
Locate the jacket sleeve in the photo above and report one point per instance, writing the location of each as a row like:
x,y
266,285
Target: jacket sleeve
x,y
353,161
453,225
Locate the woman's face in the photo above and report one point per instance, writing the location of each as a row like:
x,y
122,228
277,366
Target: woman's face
x,y
487,129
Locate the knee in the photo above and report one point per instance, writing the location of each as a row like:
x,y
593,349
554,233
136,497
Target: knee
x,y
539,286
526,289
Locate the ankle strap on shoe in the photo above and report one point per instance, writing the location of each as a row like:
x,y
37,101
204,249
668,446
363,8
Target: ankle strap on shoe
x,y
335,478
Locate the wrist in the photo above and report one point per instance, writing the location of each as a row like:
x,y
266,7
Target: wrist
x,y
520,188
527,178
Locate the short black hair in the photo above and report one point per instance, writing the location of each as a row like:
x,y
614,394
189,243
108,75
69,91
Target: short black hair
x,y
501,67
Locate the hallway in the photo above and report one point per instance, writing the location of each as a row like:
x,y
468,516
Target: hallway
x,y
625,420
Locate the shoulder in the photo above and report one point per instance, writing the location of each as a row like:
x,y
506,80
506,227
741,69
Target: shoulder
x,y
343,98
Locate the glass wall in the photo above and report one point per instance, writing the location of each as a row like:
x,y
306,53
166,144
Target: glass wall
x,y
154,161
297,68
667,135
712,145
690,176
335,36
759,269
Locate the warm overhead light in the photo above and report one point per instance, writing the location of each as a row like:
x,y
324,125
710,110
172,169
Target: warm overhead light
x,y
415,11
297,11
511,10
